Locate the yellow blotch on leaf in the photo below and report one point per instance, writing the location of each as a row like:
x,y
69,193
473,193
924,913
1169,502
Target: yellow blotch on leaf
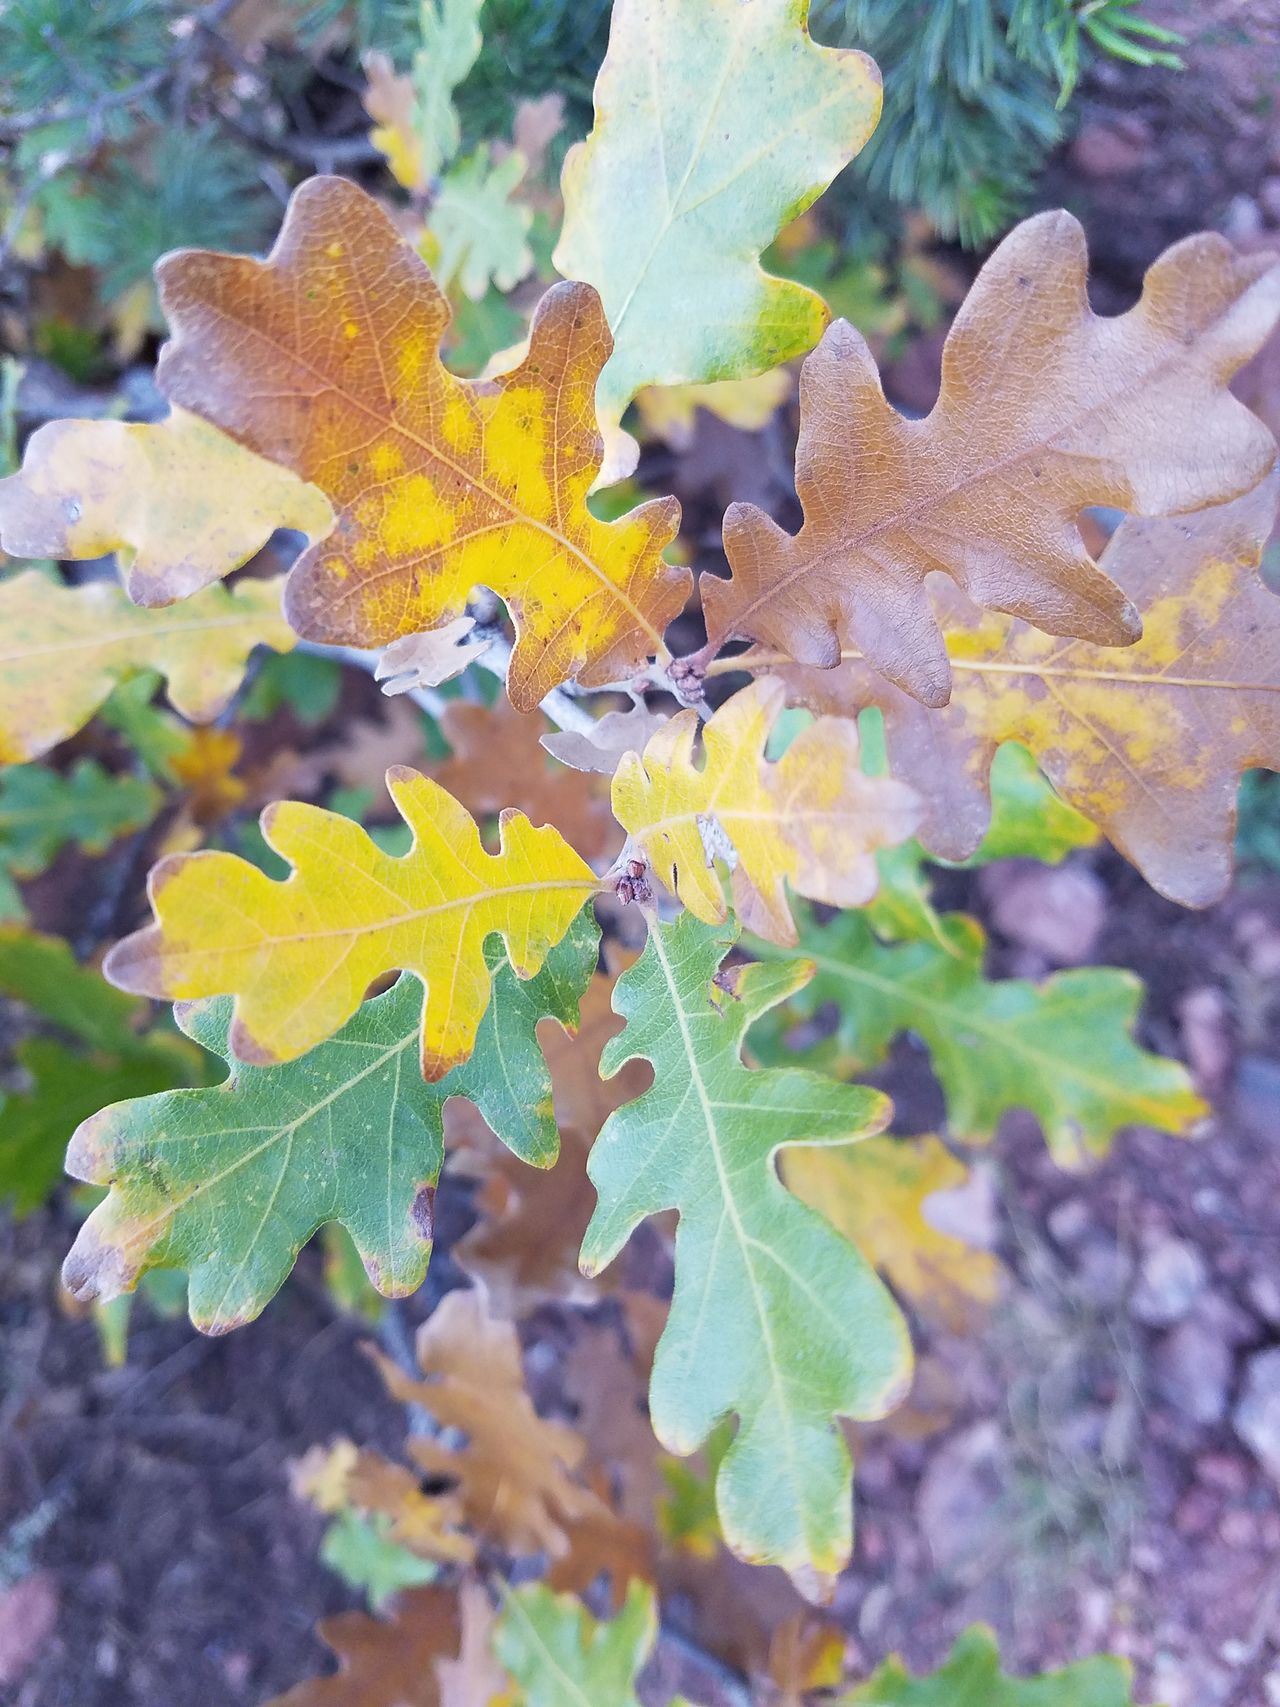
x,y
299,955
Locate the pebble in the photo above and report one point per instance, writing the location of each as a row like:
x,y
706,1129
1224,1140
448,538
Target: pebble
x,y
1170,1280
1257,1416
1192,1371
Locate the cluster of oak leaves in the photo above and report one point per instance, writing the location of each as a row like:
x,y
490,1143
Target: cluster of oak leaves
x,y
307,392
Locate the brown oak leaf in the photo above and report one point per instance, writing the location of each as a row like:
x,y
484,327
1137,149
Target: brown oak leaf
x,y
1045,408
1148,743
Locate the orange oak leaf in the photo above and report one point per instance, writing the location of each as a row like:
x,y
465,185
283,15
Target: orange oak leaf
x,y
299,955
1148,743
517,1476
1045,408
813,820
180,503
498,761
325,358
385,1662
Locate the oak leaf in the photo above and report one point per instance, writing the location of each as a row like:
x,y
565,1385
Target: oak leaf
x,y
559,1654
427,660
681,185
973,1673
325,358
299,955
349,1134
1045,408
774,1316
112,1058
498,761
180,503
341,1477
516,1475
1062,1048
63,649
385,1662
670,412
1148,743
877,1194
812,821
41,811
600,748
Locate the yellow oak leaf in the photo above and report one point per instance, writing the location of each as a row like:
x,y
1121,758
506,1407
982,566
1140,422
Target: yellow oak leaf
x,y
391,101
299,955
325,358
180,503
877,1194
1045,409
63,649
671,411
812,820
1148,743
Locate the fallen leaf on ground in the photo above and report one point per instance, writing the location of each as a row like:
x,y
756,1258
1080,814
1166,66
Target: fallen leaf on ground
x,y
385,1662
499,761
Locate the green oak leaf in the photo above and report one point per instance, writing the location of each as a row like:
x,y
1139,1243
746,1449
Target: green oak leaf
x,y
230,1182
716,123
1029,820
41,811
450,45
972,1677
560,1656
361,1551
774,1317
65,1084
1062,1049
477,236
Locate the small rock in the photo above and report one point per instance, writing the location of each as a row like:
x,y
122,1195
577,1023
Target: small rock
x,y
1170,1280
1244,219
1223,1471
1192,1371
1111,150
1257,1416
28,1614
1196,1513
1102,1275
1055,909
959,1494
1206,1032
1263,1294
1238,1529
1069,1221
